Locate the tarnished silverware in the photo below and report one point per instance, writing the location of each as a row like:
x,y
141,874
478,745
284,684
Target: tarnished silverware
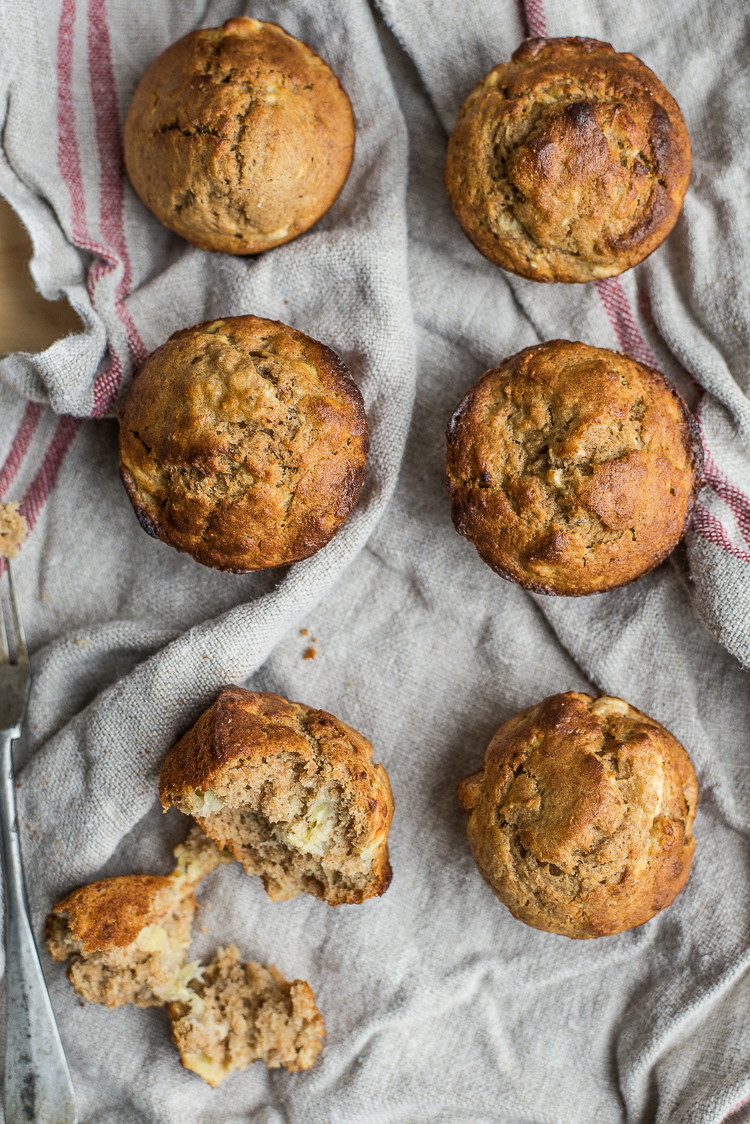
x,y
38,1089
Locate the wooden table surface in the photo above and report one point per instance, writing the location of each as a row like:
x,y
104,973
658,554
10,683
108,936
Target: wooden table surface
x,y
27,321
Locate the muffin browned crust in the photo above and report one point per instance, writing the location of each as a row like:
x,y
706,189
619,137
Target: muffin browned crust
x,y
572,469
242,1013
243,442
568,163
290,791
239,137
127,937
580,820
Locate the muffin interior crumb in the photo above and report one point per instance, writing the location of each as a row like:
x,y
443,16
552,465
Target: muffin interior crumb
x,y
245,1013
291,792
307,840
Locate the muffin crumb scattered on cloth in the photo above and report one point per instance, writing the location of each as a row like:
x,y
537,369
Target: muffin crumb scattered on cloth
x,y
13,530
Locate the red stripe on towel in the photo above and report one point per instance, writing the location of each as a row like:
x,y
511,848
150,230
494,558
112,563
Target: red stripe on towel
x,y
113,254
726,490
20,445
710,528
536,24
615,301
68,156
111,194
36,494
111,190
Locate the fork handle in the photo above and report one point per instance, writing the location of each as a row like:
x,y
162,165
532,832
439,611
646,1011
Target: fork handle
x,y
38,1089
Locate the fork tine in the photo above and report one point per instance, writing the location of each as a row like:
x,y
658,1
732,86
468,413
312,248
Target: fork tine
x,y
4,654
22,655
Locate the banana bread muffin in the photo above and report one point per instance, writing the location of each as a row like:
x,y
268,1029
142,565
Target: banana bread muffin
x,y
243,442
290,791
580,820
572,469
568,163
242,1013
127,938
239,137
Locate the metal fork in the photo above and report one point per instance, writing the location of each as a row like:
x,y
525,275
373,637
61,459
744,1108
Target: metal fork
x,y
38,1089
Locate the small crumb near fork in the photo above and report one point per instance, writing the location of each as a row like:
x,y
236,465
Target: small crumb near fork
x,y
13,530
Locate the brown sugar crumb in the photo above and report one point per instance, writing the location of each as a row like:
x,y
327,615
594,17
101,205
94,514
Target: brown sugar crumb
x,y
303,632
242,1013
309,654
13,530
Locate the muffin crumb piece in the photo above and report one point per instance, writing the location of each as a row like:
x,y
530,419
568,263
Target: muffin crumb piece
x,y
13,530
127,937
243,1013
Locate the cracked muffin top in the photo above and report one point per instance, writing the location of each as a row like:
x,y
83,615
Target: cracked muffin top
x,y
239,137
568,163
580,820
243,442
291,792
572,469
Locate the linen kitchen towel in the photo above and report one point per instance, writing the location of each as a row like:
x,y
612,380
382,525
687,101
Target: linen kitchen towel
x,y
439,1006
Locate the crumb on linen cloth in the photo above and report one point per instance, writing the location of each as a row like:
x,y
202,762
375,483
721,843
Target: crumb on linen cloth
x,y
13,530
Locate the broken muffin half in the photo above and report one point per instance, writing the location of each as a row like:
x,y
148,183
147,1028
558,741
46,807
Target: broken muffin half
x,y
290,791
127,938
237,1013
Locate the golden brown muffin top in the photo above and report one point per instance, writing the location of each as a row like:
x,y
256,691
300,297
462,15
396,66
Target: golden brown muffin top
x,y
292,792
572,469
112,912
568,163
581,818
243,442
239,137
